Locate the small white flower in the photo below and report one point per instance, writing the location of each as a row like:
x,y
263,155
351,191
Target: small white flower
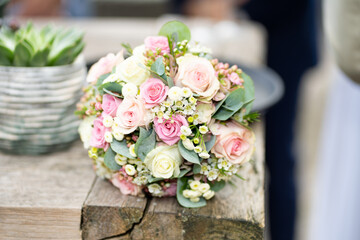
x,y
129,90
192,100
155,109
204,187
108,121
196,199
108,137
132,150
203,129
205,168
166,104
223,164
186,92
213,174
130,170
118,135
194,185
193,194
233,168
186,193
185,130
204,155
175,93
198,149
155,189
121,160
209,194
188,144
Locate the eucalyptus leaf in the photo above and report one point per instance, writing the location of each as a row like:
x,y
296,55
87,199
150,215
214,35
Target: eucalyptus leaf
x,y
158,66
145,143
152,179
190,156
183,172
182,31
111,86
170,82
121,148
111,93
196,169
185,202
109,160
101,79
217,185
209,144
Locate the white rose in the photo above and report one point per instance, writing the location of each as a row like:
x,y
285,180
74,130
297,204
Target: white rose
x,y
133,70
129,90
209,194
85,130
164,161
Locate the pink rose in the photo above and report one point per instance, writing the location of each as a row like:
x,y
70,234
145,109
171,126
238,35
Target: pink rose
x,y
126,187
197,74
103,66
170,191
234,78
153,92
110,104
170,132
131,114
158,42
98,134
233,142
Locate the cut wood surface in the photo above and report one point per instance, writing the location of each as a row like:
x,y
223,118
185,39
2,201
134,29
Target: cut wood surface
x,y
41,196
234,213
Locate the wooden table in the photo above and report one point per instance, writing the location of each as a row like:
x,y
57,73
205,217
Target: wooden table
x,y
56,196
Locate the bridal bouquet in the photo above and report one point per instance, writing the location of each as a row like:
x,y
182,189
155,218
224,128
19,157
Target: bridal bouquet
x,y
168,120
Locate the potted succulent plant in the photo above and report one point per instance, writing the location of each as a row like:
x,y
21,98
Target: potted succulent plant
x,y
41,76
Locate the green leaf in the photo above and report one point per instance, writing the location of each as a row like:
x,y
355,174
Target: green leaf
x,y
170,81
152,179
209,144
217,185
111,86
22,53
196,169
128,48
182,31
121,148
239,176
145,143
109,160
101,79
40,58
190,156
185,202
158,66
183,172
236,100
111,93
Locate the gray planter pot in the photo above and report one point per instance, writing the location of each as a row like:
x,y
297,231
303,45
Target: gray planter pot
x,y
37,107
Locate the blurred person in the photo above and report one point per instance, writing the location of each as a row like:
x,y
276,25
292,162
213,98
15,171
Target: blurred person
x,y
335,211
292,50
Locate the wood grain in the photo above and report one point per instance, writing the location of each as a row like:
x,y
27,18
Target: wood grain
x,y
107,212
41,196
234,213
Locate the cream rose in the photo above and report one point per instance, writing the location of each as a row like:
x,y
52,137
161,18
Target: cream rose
x,y
133,70
197,74
164,161
85,130
204,110
233,142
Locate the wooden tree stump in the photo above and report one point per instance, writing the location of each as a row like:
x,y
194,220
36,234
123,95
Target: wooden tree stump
x,y
234,213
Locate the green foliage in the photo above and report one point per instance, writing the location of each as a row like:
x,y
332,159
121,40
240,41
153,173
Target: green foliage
x,y
182,184
128,48
190,156
145,143
250,118
121,148
30,47
196,168
209,144
109,160
176,30
217,185
238,99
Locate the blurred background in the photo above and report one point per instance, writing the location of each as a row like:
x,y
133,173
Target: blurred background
x,y
286,36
